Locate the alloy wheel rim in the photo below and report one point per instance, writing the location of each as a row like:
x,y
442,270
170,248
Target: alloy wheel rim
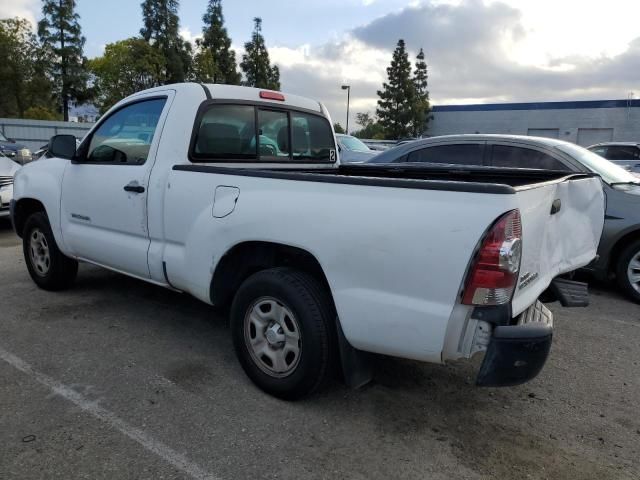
x,y
272,336
39,252
633,272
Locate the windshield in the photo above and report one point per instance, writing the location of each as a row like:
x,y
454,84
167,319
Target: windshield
x,y
3,138
353,144
609,171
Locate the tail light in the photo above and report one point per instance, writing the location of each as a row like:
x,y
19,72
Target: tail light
x,y
494,271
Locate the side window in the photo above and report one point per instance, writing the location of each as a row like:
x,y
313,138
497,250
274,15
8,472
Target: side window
x,y
519,157
623,152
226,131
460,154
602,151
125,137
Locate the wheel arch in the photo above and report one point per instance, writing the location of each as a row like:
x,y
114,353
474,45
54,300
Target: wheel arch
x,y
248,257
22,210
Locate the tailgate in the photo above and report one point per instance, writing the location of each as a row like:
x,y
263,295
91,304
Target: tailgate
x,y
561,227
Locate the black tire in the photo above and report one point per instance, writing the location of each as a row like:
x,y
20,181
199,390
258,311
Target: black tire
x,y
313,310
61,270
626,256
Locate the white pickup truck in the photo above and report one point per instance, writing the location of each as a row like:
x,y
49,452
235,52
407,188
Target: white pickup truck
x,y
236,196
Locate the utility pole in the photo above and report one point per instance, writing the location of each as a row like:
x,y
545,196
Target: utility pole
x,y
348,89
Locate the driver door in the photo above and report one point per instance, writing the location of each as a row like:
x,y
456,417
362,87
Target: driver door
x,y
104,191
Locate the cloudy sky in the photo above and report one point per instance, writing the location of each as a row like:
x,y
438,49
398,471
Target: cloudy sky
x,y
478,51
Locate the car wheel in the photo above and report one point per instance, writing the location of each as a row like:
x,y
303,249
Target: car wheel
x,y
282,323
628,271
49,268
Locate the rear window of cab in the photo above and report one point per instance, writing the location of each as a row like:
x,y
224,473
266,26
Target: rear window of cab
x,y
250,133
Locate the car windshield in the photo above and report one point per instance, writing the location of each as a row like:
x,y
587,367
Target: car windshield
x,y
3,138
609,171
353,144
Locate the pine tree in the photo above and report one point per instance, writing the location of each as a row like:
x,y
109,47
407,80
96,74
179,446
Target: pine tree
x,y
395,111
217,60
60,32
162,30
255,63
421,105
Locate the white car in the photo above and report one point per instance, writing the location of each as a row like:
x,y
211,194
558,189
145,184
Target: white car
x,y
8,169
353,150
625,154
320,263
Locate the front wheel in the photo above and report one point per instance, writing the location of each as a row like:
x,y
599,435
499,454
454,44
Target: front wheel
x,y
281,322
49,268
628,271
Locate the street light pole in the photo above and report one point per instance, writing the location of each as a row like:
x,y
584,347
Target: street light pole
x,y
348,89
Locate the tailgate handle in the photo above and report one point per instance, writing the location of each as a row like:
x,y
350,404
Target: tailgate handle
x,y
556,206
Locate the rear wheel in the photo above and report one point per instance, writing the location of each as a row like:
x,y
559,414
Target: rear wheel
x,y
628,271
281,321
49,268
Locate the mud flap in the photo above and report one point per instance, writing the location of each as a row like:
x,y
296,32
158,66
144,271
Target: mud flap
x,y
356,364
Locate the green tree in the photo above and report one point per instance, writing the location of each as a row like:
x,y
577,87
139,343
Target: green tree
x,y
370,127
126,67
60,32
23,72
421,105
337,128
40,113
395,105
215,62
255,63
161,28
204,69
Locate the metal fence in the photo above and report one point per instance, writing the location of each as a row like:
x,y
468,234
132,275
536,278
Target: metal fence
x,y
36,133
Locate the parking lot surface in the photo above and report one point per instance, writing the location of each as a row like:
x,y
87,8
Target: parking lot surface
x,y
119,379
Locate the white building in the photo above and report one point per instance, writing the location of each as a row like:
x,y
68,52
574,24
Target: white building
x,y
581,122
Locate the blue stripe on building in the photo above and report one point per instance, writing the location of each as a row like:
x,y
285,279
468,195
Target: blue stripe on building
x,y
487,107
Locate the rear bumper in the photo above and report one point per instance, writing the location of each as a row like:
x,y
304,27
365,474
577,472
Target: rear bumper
x,y
517,353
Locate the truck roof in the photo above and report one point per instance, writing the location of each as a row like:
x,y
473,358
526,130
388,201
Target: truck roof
x,y
542,141
236,92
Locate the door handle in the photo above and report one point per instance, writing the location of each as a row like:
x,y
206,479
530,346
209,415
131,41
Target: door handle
x,y
135,188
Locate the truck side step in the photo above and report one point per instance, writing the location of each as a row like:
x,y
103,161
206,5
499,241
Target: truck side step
x,y
570,293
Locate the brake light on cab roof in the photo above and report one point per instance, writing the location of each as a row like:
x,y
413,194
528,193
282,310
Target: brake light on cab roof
x,y
272,95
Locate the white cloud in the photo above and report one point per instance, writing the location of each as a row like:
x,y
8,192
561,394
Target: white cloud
x,y
319,72
20,8
186,34
477,53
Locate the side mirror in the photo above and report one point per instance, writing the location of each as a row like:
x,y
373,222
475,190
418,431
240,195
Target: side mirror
x,y
339,148
62,146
